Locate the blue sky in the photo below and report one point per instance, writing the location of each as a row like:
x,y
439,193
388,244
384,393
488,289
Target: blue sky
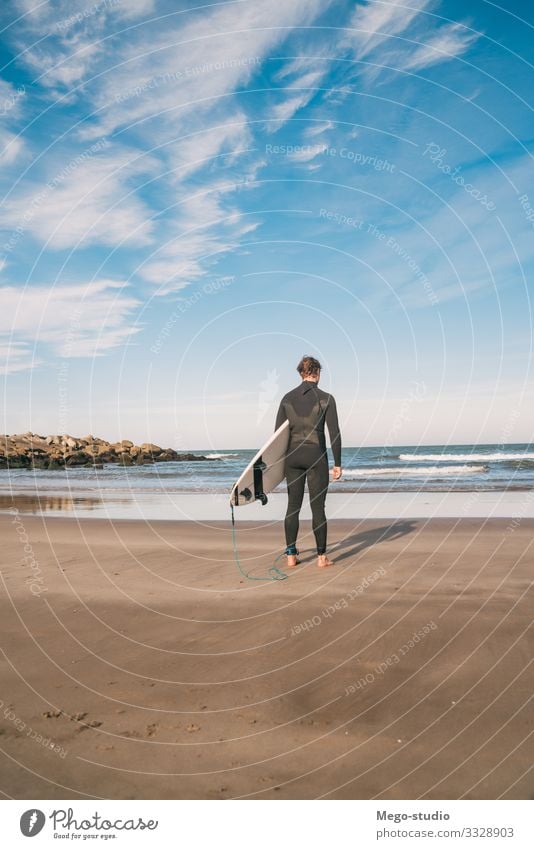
x,y
194,197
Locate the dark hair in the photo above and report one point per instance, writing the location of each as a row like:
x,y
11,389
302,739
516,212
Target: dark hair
x,y
308,366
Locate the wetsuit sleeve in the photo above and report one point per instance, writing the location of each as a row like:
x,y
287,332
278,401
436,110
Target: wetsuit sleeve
x,y
281,416
333,430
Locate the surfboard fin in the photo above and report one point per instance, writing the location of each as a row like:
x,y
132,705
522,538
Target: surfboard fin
x,y
258,470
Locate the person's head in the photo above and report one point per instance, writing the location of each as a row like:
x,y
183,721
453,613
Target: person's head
x,y
309,368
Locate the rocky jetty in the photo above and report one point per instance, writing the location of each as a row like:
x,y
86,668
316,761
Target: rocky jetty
x,y
31,450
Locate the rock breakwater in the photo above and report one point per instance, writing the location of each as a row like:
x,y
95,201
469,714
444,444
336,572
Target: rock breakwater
x,y
23,450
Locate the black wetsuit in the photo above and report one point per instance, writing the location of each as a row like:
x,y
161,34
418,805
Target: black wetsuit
x,y
308,408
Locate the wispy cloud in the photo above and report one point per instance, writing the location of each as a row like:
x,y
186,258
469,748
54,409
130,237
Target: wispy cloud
x,y
182,70
16,357
456,248
375,22
307,152
197,151
11,146
293,100
96,316
83,200
204,228
75,29
449,42
317,128
383,31
173,88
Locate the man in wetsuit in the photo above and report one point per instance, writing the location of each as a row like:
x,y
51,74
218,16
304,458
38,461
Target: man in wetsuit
x,y
308,408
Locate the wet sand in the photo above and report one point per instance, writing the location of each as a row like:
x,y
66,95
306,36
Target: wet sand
x,y
138,663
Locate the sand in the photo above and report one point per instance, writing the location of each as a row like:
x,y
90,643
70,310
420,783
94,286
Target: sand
x,y
137,663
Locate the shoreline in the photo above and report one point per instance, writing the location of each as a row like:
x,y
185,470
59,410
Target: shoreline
x,y
150,506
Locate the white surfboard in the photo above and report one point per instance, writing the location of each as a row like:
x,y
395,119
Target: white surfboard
x,y
264,472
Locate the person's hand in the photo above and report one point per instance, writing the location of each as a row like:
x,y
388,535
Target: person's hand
x,y
337,471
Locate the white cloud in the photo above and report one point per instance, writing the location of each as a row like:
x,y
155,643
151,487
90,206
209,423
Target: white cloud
x,y
131,8
317,128
373,23
177,78
73,320
307,152
85,200
69,71
11,146
407,38
166,84
7,90
457,247
11,99
67,14
196,151
448,42
207,228
15,357
283,111
75,29
187,67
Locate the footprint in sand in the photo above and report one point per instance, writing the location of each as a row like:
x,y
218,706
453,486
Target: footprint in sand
x,y
94,723
78,717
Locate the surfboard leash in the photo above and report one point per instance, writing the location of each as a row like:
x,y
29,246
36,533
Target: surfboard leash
x,y
275,574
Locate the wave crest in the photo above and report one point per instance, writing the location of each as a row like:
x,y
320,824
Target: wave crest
x,y
392,471
496,456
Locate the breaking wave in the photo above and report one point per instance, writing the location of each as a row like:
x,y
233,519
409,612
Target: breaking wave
x,y
469,458
393,471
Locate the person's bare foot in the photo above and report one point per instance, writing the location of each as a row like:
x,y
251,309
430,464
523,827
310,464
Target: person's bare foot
x,y
292,561
323,561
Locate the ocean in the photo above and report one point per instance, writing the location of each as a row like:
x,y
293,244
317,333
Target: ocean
x,y
405,468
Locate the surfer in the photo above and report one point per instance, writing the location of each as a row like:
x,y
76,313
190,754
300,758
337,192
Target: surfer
x,y
307,408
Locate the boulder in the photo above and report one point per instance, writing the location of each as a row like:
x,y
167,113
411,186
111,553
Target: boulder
x,y
103,449
167,455
107,457
150,448
77,458
20,461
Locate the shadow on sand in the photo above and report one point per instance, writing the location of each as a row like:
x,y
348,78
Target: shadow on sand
x,y
356,543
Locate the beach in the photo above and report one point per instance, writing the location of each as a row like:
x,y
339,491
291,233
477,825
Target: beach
x,y
138,663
